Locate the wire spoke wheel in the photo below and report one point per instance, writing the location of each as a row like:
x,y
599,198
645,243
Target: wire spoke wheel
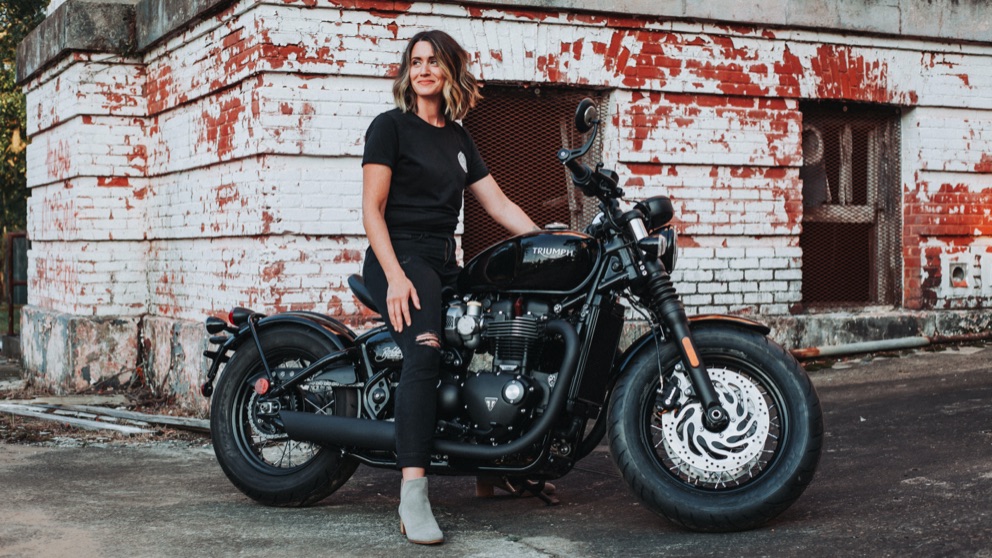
x,y
264,442
249,441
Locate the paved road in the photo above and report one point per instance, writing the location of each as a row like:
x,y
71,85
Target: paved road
x,y
907,471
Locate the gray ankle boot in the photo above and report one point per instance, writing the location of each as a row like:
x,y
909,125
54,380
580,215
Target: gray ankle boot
x,y
416,519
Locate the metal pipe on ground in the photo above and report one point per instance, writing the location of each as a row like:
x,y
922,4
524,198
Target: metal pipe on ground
x,y
887,345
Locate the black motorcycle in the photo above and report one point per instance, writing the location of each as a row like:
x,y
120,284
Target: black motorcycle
x,y
712,425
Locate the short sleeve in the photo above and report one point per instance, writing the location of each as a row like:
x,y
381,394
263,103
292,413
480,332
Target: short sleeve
x,y
381,142
477,169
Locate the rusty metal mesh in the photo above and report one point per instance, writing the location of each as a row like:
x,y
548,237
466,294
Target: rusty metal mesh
x,y
519,130
851,216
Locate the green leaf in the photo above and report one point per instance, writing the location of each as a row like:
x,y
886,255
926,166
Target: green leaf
x,y
17,19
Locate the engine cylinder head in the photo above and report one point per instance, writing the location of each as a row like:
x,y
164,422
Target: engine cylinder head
x,y
515,341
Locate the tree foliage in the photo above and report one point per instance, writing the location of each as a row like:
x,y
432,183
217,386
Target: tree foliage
x,y
17,18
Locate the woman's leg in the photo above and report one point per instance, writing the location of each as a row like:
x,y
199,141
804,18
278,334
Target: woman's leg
x,y
416,394
420,343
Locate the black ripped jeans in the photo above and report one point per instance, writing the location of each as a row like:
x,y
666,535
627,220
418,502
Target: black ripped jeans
x,y
429,263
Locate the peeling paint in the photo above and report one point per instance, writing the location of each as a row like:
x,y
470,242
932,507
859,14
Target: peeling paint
x,y
220,129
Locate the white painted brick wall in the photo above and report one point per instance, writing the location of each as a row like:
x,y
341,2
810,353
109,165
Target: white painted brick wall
x,y
89,278
98,84
192,278
89,208
954,140
108,146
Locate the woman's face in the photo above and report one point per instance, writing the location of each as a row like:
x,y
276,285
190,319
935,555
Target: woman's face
x,y
426,76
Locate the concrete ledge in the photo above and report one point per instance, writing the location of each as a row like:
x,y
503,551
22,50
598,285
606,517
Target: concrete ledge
x,y
78,25
73,353
824,330
173,361
964,20
156,19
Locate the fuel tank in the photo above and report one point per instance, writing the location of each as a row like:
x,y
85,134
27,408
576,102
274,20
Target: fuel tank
x,y
542,261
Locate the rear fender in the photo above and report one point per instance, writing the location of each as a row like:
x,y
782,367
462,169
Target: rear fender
x,y
338,334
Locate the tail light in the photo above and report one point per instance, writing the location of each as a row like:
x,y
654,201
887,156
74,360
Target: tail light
x,y
239,316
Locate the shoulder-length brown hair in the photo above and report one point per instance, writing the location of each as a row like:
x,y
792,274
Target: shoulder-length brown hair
x,y
460,91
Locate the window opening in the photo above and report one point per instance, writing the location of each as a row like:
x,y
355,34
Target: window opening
x,y
851,208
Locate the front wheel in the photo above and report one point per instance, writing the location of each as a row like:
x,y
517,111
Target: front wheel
x,y
249,441
733,480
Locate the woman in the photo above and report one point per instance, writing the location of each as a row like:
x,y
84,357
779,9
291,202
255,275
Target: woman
x,y
417,163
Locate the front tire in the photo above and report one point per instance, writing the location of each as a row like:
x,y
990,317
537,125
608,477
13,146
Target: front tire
x,y
251,447
731,481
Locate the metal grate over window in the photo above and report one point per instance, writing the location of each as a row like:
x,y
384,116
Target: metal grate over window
x,y
851,208
519,129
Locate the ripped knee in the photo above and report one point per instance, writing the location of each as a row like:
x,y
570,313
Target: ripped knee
x,y
429,339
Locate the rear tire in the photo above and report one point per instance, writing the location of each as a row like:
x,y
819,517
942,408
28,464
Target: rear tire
x,y
733,481
252,449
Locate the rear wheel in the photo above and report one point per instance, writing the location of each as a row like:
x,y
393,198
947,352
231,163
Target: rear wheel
x,y
249,442
732,480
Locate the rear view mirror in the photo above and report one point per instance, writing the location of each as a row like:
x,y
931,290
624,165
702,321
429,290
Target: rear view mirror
x,y
586,115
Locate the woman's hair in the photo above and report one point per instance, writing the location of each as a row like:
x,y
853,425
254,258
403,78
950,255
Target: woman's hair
x,y
460,91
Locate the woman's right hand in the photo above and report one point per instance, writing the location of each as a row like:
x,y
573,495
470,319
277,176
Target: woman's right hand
x,y
398,297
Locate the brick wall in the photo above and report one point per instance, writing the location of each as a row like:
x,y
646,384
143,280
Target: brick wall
x,y
221,165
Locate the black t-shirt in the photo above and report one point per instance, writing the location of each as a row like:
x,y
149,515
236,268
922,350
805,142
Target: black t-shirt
x,y
431,168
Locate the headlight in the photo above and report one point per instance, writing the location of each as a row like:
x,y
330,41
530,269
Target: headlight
x,y
657,211
671,253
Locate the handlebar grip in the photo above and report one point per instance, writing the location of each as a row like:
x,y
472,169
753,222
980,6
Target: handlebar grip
x,y
580,173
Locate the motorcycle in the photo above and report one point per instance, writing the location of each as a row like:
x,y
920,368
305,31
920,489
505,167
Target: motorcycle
x,y
712,425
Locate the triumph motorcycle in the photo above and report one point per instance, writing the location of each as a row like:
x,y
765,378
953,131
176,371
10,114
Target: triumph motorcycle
x,y
712,425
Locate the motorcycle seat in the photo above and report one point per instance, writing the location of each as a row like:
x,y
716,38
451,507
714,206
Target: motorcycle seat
x,y
357,284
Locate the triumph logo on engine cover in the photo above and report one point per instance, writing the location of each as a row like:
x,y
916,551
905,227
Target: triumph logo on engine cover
x,y
553,252
491,403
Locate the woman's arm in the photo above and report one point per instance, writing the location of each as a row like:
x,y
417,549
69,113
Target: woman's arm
x,y
375,191
500,208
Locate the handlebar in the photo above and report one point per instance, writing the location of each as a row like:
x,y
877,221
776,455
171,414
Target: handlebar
x,y
600,183
581,174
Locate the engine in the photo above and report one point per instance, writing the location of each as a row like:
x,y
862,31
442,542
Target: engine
x,y
497,403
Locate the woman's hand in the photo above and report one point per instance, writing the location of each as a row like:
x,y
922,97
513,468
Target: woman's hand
x,y
398,297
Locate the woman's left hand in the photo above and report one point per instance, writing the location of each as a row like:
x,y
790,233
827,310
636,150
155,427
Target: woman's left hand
x,y
399,295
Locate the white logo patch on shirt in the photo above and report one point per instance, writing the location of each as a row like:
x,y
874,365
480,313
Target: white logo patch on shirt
x,y
463,161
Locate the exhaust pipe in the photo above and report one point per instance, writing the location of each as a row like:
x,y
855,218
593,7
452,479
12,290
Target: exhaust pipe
x,y
340,431
381,435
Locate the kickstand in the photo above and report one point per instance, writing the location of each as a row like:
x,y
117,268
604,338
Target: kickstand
x,y
536,488
516,487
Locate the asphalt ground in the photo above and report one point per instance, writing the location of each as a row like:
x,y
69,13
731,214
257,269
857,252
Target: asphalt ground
x,y
906,471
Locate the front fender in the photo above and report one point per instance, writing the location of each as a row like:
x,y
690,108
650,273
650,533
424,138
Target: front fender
x,y
646,341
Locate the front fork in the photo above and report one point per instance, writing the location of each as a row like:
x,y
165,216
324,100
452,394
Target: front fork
x,y
667,307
